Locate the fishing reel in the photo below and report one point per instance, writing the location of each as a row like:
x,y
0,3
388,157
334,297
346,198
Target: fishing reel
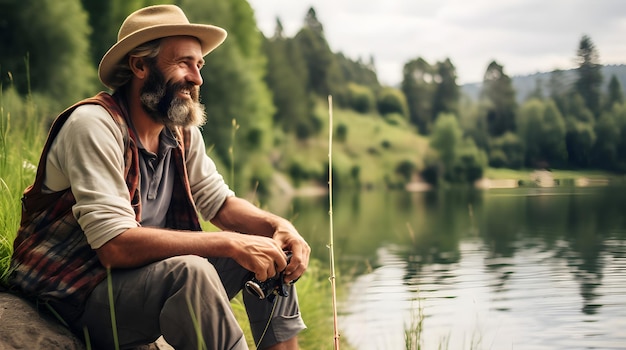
x,y
271,287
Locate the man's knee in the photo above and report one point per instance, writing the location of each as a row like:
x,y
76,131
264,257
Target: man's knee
x,y
192,270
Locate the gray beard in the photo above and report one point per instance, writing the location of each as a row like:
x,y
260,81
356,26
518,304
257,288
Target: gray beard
x,y
179,112
160,101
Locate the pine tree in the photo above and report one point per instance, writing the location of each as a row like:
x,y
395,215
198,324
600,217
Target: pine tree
x,y
498,91
614,95
589,81
323,71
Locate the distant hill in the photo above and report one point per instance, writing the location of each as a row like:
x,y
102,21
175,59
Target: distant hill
x,y
524,85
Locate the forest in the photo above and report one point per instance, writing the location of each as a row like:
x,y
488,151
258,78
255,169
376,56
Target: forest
x,y
267,100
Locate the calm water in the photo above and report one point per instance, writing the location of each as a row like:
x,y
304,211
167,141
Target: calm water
x,y
501,269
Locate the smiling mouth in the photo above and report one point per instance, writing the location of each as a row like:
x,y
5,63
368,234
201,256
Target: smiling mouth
x,y
185,92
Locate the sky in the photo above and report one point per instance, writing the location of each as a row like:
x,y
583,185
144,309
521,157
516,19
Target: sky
x,y
523,36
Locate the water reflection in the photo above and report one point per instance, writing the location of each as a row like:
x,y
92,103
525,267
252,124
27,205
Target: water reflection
x,y
501,269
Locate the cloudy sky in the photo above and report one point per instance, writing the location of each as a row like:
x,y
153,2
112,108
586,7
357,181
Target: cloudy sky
x,y
524,36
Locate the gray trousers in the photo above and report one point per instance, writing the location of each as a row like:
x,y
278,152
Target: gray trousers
x,y
187,300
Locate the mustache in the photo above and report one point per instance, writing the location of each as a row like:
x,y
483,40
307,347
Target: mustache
x,y
172,89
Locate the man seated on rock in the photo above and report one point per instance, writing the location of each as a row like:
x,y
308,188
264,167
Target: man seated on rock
x,y
113,212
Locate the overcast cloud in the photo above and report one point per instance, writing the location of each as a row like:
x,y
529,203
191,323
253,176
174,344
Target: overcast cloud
x,y
524,36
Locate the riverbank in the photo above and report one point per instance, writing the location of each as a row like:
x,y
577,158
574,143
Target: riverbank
x,y
507,178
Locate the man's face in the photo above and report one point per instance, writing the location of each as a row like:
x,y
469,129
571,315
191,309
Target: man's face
x,y
171,95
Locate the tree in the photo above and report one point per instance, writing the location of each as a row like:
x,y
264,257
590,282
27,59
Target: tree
x,y
507,151
362,98
580,139
542,129
45,47
554,131
605,149
498,91
446,97
614,95
392,100
418,85
323,71
287,78
446,137
358,72
558,90
589,81
460,160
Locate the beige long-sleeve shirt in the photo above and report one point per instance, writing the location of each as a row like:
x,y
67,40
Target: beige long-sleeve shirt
x,y
88,156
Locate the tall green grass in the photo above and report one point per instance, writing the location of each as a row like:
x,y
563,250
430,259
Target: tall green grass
x,y
22,134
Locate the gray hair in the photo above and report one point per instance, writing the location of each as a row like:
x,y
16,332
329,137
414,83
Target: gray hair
x,y
122,72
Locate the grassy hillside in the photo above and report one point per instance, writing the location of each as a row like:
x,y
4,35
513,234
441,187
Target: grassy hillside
x,y
367,150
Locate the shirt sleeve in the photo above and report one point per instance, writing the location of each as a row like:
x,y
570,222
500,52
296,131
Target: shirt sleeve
x,y
88,156
207,184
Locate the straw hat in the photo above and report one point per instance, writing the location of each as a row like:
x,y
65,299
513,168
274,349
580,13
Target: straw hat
x,y
154,22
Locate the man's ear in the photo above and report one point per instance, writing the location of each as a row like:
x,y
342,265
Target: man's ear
x,y
138,66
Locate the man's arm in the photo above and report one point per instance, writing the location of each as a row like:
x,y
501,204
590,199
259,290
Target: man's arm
x,y
143,245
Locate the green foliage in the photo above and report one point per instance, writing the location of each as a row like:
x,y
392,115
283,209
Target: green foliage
x,y
608,132
45,47
406,168
498,91
615,94
446,97
418,85
341,132
542,129
361,98
469,164
392,101
507,151
589,81
323,70
287,78
358,72
457,159
430,90
580,138
446,138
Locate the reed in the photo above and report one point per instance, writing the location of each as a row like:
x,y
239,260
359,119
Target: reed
x,y
413,332
331,230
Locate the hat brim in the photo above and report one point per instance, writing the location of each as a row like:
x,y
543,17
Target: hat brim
x,y
209,36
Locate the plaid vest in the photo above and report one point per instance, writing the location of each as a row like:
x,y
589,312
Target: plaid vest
x,y
52,260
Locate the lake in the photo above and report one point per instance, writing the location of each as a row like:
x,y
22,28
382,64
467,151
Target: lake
x,y
524,268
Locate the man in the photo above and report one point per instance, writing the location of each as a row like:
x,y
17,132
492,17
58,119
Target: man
x,y
112,214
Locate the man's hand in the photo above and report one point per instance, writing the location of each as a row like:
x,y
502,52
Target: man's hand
x,y
259,254
290,240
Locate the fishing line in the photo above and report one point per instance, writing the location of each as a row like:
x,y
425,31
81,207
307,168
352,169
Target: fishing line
x,y
269,320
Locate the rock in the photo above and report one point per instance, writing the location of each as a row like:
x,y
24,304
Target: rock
x,y
24,327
